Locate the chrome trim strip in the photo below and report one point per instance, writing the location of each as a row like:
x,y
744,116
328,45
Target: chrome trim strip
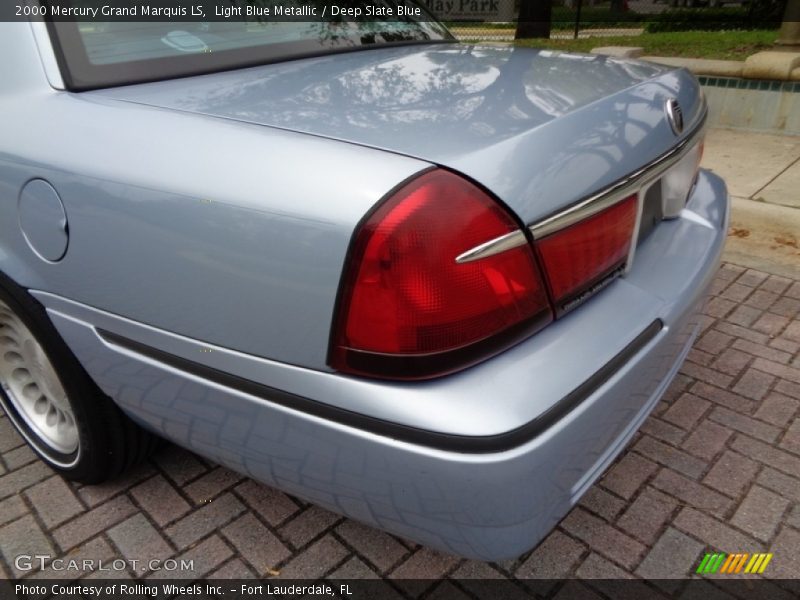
x,y
633,183
617,191
492,247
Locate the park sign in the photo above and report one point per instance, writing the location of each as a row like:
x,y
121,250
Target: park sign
x,y
472,10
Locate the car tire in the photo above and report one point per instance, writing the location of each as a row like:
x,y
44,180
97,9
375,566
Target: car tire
x,y
53,403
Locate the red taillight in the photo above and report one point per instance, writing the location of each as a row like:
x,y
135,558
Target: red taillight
x,y
408,309
581,255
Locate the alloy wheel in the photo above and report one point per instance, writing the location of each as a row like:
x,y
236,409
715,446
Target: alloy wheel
x,y
32,386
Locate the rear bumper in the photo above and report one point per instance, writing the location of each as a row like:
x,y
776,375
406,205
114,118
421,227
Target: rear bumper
x,y
479,499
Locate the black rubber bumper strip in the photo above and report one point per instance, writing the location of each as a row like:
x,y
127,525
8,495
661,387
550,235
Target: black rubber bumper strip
x,y
404,433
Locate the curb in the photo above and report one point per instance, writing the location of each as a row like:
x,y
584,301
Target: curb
x,y
768,65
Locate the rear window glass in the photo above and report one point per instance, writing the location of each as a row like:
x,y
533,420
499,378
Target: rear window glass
x,y
96,54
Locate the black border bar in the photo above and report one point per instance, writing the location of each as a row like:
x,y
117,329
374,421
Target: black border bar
x,y
404,433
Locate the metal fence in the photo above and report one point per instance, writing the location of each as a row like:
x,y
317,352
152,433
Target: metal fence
x,y
495,20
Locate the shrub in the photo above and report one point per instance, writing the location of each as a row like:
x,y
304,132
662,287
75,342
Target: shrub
x,y
709,19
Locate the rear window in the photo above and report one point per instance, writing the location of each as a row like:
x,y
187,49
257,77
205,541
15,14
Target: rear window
x,y
95,53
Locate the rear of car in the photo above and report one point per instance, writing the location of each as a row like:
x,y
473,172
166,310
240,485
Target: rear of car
x,y
433,287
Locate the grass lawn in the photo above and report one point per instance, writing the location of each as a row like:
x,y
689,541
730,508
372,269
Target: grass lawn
x,y
728,45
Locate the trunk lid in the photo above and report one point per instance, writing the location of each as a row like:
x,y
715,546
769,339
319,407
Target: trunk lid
x,y
540,129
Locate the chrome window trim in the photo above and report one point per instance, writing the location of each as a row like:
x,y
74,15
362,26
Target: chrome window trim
x,y
47,55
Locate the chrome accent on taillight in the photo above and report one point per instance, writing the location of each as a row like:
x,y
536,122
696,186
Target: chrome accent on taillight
x,y
623,188
636,183
492,247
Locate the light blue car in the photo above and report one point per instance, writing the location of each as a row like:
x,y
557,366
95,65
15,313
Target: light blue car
x,y
431,286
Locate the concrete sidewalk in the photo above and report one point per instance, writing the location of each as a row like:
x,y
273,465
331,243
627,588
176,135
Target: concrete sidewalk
x,y
763,176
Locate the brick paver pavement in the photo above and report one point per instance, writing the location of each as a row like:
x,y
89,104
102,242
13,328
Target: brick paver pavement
x,y
717,465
